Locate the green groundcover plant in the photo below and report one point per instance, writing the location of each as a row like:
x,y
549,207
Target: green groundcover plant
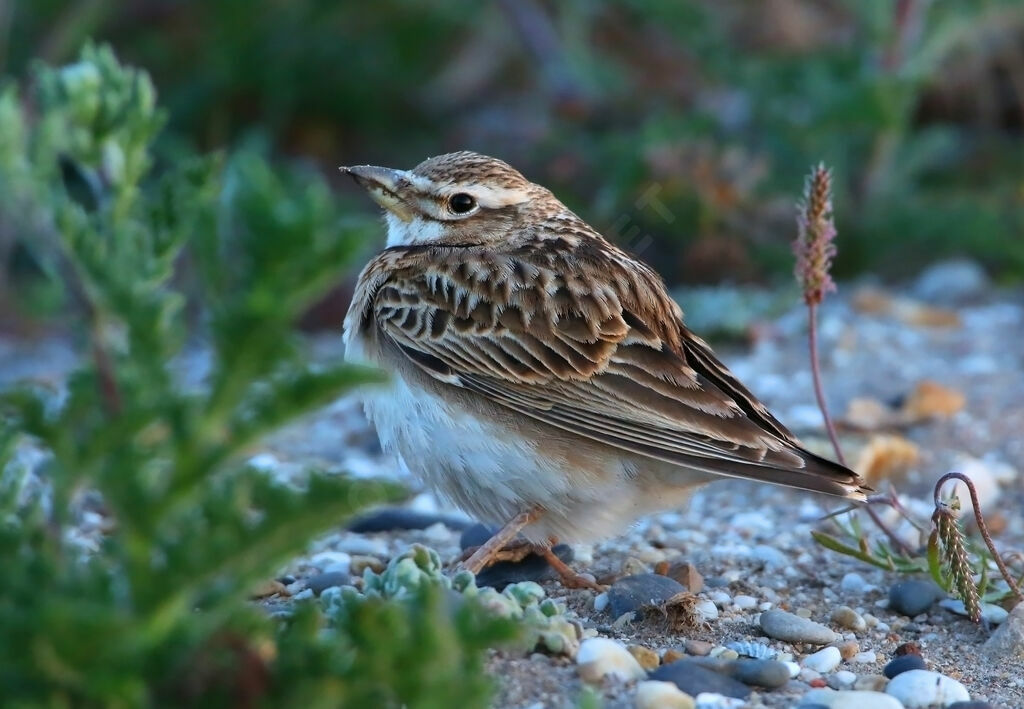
x,y
151,607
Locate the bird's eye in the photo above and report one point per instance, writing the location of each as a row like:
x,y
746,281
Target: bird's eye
x,y
461,203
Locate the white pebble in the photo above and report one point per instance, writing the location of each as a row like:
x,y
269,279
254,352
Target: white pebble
x,y
856,699
744,602
598,658
365,546
854,583
720,598
794,669
824,660
600,602
706,610
653,694
923,688
845,678
866,657
712,700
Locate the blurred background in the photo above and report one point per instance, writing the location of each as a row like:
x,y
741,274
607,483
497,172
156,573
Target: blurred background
x,y
682,130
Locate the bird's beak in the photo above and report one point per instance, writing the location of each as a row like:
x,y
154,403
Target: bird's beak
x,y
385,185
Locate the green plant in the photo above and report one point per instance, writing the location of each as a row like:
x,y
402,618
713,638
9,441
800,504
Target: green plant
x,y
148,606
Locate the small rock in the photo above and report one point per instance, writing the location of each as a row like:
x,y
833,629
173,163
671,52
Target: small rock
x,y
912,598
759,673
474,536
647,657
824,660
744,602
684,572
865,658
772,557
990,613
1007,642
359,563
713,700
871,683
724,653
902,664
321,582
388,519
633,566
974,704
671,655
367,546
654,694
720,598
854,583
785,626
697,647
849,649
694,679
636,593
844,678
600,602
846,617
598,658
758,651
705,610
907,649
922,688
269,588
953,282
849,700
532,567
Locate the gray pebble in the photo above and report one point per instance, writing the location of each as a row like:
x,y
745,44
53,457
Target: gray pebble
x,y
757,673
791,628
321,582
1007,643
387,519
912,598
846,617
635,593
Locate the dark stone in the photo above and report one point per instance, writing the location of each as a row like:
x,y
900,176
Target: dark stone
x,y
904,663
694,679
321,582
972,704
912,598
755,672
387,519
287,579
475,535
532,567
910,648
633,593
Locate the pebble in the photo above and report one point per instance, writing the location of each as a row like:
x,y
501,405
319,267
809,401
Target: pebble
x,y
647,657
366,546
904,663
912,598
654,694
952,282
758,651
844,678
923,688
744,602
871,683
633,567
705,610
846,617
1007,643
697,647
693,679
713,700
358,564
791,628
671,655
531,567
388,519
823,661
974,704
600,602
321,582
865,658
720,598
849,649
854,583
990,613
685,573
757,673
849,700
772,557
598,658
635,593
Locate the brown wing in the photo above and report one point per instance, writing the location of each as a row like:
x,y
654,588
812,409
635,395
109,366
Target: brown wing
x,y
589,342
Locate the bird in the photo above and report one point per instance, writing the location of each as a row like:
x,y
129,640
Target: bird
x,y
543,380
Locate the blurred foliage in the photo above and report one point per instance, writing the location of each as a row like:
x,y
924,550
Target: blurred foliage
x,y
131,527
677,128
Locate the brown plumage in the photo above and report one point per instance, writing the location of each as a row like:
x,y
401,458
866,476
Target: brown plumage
x,y
494,301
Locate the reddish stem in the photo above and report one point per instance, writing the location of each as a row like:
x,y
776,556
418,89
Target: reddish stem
x,y
819,393
980,519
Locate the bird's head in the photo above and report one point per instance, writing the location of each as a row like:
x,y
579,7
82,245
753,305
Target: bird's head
x,y
457,198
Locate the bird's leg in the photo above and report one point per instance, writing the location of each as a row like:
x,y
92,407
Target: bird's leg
x,y
490,551
569,578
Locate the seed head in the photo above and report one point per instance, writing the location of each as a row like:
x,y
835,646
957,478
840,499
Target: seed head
x,y
816,231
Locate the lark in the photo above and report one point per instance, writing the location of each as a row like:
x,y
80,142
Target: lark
x,y
543,379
